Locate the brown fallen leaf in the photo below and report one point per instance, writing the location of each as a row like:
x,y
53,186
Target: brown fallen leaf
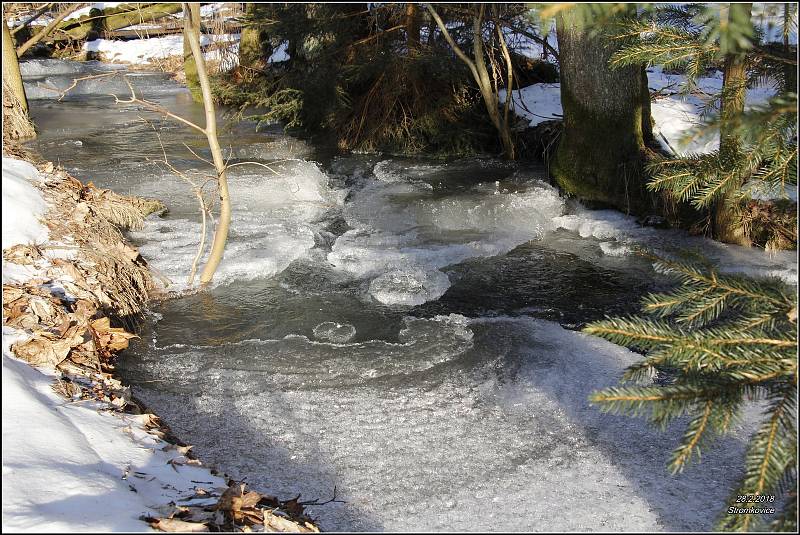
x,y
11,294
109,339
294,507
41,352
22,254
273,522
226,501
176,525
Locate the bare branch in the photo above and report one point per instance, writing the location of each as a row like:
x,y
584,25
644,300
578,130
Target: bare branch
x,y
33,17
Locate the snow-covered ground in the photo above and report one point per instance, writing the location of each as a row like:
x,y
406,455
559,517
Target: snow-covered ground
x,y
23,204
676,113
72,465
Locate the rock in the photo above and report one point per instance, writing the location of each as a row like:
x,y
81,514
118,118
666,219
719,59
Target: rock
x,y
655,221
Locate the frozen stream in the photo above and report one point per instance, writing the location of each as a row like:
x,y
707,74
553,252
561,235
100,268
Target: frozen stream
x,y
399,329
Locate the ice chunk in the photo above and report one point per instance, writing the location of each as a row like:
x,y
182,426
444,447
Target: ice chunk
x,y
409,287
403,233
337,333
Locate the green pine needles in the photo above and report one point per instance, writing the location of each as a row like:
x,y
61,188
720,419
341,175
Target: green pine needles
x,y
725,340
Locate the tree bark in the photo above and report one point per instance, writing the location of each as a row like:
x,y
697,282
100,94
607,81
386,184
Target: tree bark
x,y
189,62
412,27
16,123
192,36
726,214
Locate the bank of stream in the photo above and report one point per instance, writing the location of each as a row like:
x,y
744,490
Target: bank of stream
x,y
401,330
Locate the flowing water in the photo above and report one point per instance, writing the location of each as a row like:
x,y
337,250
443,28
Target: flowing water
x,y
400,330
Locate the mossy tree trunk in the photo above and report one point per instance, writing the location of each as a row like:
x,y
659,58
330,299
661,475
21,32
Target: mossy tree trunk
x,y
602,151
250,49
189,62
726,213
16,123
114,18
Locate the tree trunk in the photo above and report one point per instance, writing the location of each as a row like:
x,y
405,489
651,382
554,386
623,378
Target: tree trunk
x,y
118,17
412,27
606,120
726,214
192,36
189,62
250,42
16,124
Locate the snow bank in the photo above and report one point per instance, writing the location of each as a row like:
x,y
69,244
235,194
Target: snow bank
x,y
23,204
70,466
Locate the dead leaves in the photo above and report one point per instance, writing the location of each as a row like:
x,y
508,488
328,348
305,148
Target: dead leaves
x,y
240,506
22,254
236,510
60,329
42,352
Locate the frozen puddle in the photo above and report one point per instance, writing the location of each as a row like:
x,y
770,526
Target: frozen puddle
x,y
463,425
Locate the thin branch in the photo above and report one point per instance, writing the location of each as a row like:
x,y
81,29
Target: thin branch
x,y
451,42
253,163
510,83
152,106
209,162
33,17
317,502
542,41
198,191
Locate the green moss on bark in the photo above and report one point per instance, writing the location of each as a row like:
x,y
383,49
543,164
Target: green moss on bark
x,y
603,147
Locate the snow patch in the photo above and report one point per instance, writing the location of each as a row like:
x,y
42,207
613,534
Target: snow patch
x,y
23,204
337,333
